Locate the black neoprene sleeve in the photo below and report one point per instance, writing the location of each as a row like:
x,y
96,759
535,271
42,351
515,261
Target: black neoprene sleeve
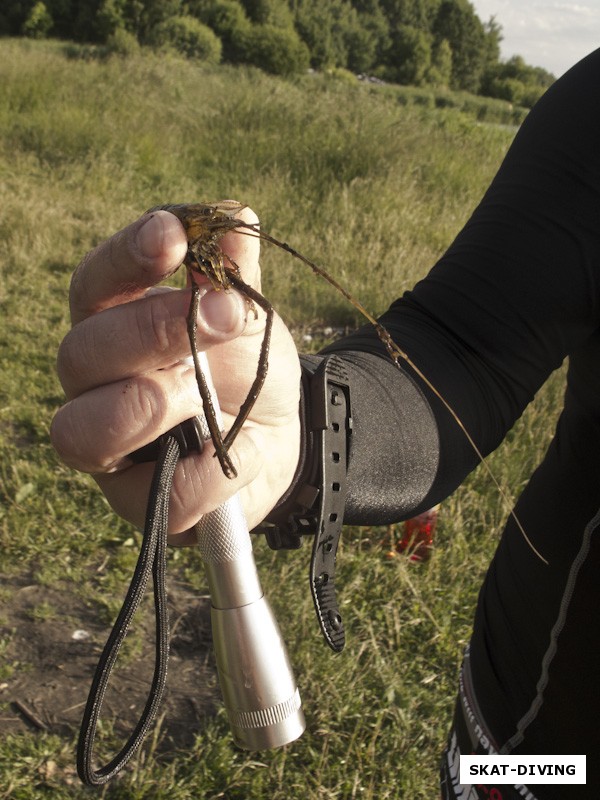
x,y
394,445
514,294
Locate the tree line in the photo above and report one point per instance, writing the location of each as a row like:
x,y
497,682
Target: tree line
x,y
439,43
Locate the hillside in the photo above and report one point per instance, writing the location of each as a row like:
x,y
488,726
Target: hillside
x,y
371,182
437,43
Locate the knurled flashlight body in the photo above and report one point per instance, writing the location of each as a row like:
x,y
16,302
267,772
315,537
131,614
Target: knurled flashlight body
x,y
259,690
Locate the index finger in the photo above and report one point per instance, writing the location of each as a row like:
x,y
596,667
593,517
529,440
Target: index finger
x,y
123,267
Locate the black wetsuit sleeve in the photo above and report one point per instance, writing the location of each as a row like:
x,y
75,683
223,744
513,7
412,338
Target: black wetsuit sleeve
x,y
394,448
514,294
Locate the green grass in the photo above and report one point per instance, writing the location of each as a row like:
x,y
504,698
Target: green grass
x,y
369,185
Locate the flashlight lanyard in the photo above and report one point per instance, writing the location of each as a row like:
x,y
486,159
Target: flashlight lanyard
x,y
167,451
314,506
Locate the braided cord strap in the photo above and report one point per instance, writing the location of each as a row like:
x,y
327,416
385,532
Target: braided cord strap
x,y
151,560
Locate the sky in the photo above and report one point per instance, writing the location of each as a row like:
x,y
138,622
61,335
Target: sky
x,y
553,34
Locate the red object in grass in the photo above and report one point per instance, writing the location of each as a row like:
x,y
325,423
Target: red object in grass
x,y
417,540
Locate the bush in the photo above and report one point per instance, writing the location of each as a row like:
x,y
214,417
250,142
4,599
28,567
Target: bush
x,y
189,37
38,22
516,82
121,43
227,19
341,75
409,56
440,71
104,23
279,51
269,12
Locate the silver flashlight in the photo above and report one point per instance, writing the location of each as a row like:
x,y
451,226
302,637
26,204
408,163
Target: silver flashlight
x,y
260,692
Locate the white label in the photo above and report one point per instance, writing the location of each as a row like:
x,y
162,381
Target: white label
x,y
522,770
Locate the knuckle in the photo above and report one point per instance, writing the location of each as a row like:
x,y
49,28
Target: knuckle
x,y
69,363
68,437
180,505
77,359
92,435
81,302
65,363
157,328
147,401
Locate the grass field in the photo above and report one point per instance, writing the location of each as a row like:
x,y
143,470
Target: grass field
x,y
371,184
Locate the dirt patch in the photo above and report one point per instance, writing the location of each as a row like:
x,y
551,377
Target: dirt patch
x,y
53,640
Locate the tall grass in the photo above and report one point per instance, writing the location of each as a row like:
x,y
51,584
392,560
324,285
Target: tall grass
x,y
372,188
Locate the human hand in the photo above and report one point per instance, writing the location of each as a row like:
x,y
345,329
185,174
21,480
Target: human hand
x,y
122,370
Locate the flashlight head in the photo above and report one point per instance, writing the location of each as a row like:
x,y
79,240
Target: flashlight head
x,y
260,693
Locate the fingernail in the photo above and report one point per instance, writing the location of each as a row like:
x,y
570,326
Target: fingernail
x,y
220,310
158,234
150,237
